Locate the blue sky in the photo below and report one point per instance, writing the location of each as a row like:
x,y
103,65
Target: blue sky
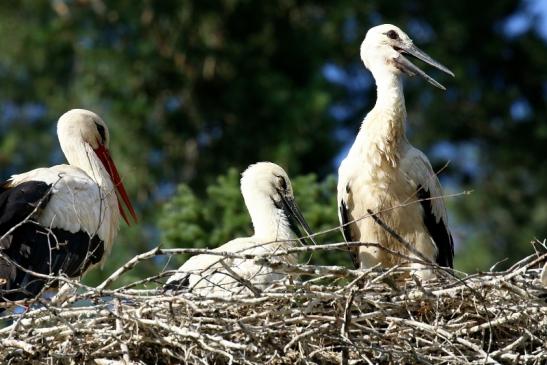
x,y
534,15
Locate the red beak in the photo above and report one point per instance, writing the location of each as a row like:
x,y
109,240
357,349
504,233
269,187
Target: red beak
x,y
110,167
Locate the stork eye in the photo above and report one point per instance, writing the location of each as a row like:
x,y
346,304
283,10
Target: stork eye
x,y
282,182
102,132
392,34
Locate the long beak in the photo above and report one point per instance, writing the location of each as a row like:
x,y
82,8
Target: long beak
x,y
110,167
412,70
296,219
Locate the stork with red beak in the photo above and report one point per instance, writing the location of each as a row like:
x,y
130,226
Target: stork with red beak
x,y
61,220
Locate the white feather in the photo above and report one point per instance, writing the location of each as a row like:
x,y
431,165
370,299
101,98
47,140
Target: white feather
x,y
206,273
83,194
543,276
382,170
77,203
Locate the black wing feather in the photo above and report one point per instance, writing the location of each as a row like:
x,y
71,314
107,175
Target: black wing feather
x,y
177,285
46,251
346,231
18,202
438,231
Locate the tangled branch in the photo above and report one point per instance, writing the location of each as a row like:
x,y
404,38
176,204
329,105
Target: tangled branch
x,y
337,315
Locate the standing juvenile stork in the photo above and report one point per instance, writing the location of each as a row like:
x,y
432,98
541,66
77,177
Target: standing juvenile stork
x,y
62,219
385,174
268,195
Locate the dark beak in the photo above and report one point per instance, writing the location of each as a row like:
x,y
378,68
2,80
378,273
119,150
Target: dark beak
x,y
410,69
296,219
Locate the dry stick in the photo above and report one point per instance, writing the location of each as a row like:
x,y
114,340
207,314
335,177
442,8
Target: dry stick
x,y
409,247
119,329
404,242
246,283
192,335
495,322
341,226
516,272
373,295
157,251
18,344
129,265
305,334
443,270
344,330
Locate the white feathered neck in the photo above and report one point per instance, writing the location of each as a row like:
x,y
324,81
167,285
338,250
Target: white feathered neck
x,y
383,129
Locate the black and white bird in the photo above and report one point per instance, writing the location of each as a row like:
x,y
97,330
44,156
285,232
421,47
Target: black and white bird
x,y
62,219
276,219
384,173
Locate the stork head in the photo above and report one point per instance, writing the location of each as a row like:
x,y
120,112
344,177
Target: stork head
x,y
384,48
79,128
267,184
84,125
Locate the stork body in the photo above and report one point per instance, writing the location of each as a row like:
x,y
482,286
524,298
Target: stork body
x,y
384,173
62,219
268,196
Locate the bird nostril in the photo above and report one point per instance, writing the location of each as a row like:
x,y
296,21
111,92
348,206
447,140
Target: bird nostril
x,y
398,49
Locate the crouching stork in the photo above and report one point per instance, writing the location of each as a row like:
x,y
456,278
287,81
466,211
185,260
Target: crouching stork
x,y
276,219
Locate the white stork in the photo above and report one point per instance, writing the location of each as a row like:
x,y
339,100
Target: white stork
x,y
268,195
73,210
385,174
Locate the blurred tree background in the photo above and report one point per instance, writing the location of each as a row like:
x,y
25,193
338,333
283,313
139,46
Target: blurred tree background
x,y
195,91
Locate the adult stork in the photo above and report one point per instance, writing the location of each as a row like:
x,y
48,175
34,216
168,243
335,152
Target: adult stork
x,y
276,219
384,174
62,219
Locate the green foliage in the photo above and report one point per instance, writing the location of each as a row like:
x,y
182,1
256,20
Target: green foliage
x,y
188,221
209,221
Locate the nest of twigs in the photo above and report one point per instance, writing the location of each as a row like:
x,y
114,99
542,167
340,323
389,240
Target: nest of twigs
x,y
335,315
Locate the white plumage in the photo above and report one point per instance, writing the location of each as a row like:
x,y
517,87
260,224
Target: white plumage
x,y
269,198
75,208
77,202
83,194
384,173
543,276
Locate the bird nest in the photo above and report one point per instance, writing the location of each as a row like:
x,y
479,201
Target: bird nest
x,y
327,314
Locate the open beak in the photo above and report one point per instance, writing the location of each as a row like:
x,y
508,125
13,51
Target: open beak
x,y
110,167
296,219
410,69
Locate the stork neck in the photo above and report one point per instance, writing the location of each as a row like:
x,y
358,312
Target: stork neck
x,y
384,126
269,222
386,121
80,154
390,98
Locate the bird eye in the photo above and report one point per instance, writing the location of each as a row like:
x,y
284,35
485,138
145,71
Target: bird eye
x,y
392,34
102,132
282,182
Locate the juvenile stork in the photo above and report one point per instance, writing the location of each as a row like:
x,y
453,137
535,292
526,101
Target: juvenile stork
x,y
62,219
268,195
385,174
